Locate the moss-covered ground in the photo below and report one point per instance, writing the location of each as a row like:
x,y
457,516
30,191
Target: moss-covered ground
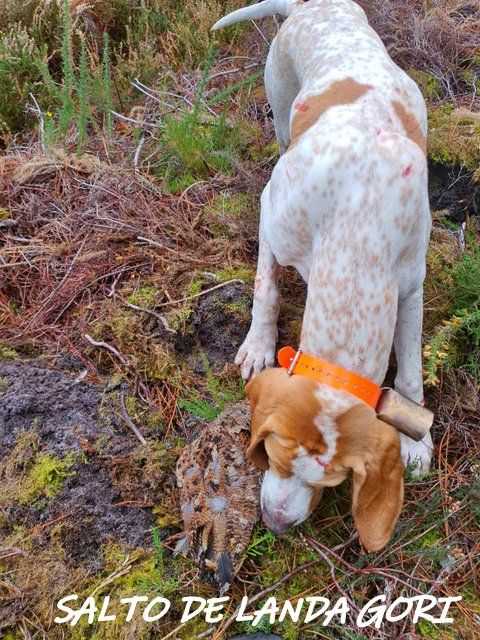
x,y
135,145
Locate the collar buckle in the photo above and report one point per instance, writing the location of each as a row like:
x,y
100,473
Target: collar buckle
x,y
293,362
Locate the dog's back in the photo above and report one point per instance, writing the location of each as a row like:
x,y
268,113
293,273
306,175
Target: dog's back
x,y
326,55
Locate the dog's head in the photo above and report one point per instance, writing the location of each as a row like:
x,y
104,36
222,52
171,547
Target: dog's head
x,y
302,449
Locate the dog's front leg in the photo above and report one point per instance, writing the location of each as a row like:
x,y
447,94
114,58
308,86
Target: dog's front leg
x,y
409,380
258,350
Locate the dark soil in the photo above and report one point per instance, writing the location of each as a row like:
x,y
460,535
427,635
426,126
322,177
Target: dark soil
x,y
218,326
66,413
452,189
82,419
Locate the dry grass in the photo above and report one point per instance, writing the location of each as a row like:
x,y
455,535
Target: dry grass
x,y
440,38
81,229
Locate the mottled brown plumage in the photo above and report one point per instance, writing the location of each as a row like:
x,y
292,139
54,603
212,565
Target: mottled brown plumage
x,y
219,493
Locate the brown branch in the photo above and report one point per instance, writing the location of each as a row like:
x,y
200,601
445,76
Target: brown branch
x,y
320,548
153,313
129,421
105,345
202,293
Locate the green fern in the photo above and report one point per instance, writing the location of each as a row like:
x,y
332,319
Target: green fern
x,y
222,393
197,144
159,580
466,292
198,406
231,89
456,343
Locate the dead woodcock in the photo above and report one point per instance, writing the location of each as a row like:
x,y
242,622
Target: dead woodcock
x,y
219,494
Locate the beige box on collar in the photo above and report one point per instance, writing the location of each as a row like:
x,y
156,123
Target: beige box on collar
x,y
405,415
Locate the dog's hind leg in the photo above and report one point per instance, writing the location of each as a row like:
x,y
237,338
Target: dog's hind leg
x,y
409,381
282,87
258,349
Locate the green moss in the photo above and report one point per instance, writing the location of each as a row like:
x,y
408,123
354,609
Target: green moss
x,y
178,183
247,274
427,629
177,318
454,136
124,326
430,87
144,296
141,475
229,212
20,457
228,203
46,478
6,353
238,308
431,538
28,476
456,337
151,420
196,286
443,253
275,562
263,152
125,573
125,329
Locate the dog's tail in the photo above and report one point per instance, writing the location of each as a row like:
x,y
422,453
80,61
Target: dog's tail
x,y
256,11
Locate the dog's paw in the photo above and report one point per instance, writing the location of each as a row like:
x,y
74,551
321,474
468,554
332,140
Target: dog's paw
x,y
417,455
256,353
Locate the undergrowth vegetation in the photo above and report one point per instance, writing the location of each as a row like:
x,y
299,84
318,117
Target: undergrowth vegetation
x,y
76,60
135,144
456,341
30,476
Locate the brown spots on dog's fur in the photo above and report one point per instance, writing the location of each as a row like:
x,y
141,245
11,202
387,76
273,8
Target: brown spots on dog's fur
x,y
309,111
410,124
283,420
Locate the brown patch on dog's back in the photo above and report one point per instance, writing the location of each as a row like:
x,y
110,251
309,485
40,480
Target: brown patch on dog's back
x,y
410,124
309,111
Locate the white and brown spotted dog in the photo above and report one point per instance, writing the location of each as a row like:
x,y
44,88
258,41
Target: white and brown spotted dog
x,y
347,205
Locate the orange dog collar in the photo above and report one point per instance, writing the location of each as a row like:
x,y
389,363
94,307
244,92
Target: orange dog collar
x,y
331,374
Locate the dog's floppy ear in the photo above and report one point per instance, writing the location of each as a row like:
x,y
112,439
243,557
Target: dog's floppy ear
x,y
256,451
374,456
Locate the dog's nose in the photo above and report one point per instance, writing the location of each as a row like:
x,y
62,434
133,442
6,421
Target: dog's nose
x,y
275,521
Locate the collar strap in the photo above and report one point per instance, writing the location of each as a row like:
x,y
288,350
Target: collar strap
x,y
330,374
